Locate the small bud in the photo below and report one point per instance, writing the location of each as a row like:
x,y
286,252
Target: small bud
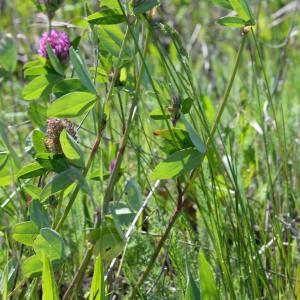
x,y
131,19
152,13
246,29
49,6
112,166
176,110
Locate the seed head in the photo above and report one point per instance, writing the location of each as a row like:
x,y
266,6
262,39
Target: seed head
x,y
54,129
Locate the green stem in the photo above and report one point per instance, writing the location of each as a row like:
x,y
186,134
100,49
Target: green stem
x,y
181,203
58,209
77,188
108,194
120,155
49,24
80,273
270,100
227,92
222,105
101,127
118,66
157,251
149,75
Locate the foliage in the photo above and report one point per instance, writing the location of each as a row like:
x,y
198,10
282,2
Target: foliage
x,y
157,158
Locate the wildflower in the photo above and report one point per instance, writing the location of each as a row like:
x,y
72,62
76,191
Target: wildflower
x,y
58,41
54,129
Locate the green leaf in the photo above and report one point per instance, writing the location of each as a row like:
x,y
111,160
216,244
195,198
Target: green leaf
x,y
38,214
97,291
31,170
243,10
102,75
106,16
29,145
4,156
192,290
38,140
49,287
5,179
4,282
8,279
187,105
37,113
145,6
25,233
110,3
82,70
122,213
52,162
32,266
208,285
134,195
111,37
49,242
71,149
71,105
223,3
67,86
231,21
8,53
4,137
39,62
54,61
63,180
40,86
109,239
182,140
32,190
35,71
157,114
177,164
194,136
58,183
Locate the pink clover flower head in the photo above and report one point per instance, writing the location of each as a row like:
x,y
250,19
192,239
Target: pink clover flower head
x,y
59,42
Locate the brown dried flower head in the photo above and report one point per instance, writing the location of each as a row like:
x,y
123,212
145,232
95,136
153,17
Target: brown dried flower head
x,y
54,129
